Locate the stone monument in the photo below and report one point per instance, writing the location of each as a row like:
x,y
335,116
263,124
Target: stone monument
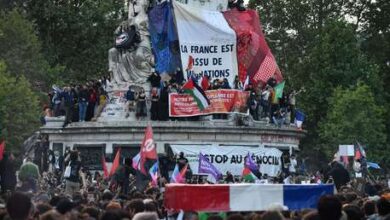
x,y
130,62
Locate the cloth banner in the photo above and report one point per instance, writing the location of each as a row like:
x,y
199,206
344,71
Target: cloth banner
x,y
218,5
207,43
232,158
243,197
221,101
165,43
254,55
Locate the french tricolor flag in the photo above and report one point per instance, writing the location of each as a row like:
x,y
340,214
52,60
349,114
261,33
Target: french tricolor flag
x,y
243,197
222,44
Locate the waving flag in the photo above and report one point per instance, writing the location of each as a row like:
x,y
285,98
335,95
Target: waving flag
x,y
177,175
249,163
136,161
148,149
279,91
205,83
104,165
359,151
205,166
115,163
197,93
247,175
190,64
153,171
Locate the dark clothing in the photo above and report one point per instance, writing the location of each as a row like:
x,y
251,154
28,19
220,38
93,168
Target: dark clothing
x,y
74,172
154,108
92,100
182,161
225,85
154,80
229,178
7,174
69,104
141,105
130,95
340,175
253,107
121,177
83,96
164,105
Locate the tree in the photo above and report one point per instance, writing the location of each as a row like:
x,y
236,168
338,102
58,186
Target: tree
x,y
313,40
354,115
19,111
21,50
376,43
76,34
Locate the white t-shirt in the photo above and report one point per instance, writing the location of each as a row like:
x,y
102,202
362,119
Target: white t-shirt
x,y
293,165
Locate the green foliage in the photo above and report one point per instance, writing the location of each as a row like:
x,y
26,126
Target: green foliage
x,y
319,49
333,60
76,34
21,50
19,111
354,115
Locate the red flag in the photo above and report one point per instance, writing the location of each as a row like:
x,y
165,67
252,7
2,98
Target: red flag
x,y
148,148
184,171
104,165
2,147
205,83
190,64
115,163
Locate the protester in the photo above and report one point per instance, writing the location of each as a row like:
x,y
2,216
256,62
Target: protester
x,y
72,173
339,174
29,176
141,104
130,101
7,172
19,206
83,102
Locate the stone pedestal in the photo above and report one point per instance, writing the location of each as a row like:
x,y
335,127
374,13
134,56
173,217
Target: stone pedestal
x,y
55,122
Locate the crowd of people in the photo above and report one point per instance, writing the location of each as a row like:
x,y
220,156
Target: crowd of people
x,y
76,102
86,102
68,191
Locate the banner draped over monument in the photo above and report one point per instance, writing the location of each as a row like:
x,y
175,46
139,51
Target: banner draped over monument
x,y
207,42
253,54
164,38
219,5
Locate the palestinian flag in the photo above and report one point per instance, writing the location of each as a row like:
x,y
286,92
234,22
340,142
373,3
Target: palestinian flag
x,y
197,93
248,176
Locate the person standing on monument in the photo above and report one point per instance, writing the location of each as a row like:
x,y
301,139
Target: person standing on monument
x,y
83,102
154,108
141,104
68,102
130,101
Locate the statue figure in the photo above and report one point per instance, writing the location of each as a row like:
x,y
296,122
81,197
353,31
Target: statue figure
x,y
131,60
